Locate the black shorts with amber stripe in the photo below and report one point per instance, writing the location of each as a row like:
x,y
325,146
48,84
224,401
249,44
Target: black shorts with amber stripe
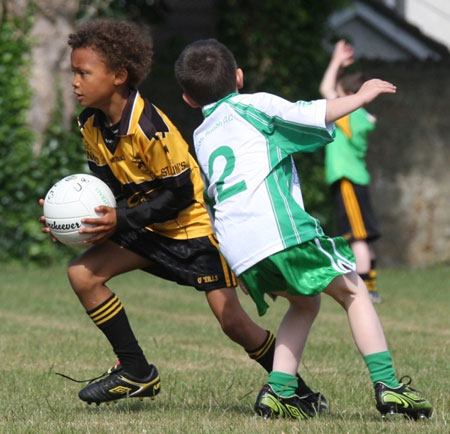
x,y
194,262
354,214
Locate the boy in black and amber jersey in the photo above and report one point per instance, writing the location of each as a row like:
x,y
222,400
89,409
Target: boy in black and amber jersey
x,y
163,227
146,161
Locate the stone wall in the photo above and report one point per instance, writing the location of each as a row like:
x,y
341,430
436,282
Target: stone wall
x,y
409,160
51,73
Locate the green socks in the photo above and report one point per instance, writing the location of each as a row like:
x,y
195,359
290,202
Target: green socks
x,y
379,365
381,369
283,384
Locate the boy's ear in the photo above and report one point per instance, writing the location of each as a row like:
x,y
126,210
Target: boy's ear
x,y
121,77
239,78
189,101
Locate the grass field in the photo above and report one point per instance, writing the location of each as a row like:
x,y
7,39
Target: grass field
x,y
208,383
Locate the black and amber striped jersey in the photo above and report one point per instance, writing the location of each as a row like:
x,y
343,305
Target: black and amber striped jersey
x,y
146,161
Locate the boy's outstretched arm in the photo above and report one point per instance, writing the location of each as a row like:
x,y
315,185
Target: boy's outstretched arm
x,y
339,107
342,56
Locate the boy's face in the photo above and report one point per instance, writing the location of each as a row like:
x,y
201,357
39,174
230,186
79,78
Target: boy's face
x,y
93,84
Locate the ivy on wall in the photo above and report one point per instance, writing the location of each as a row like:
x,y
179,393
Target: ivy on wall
x,y
15,137
24,176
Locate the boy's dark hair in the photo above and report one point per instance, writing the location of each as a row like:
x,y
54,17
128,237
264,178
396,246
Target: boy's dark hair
x,y
351,82
206,71
120,44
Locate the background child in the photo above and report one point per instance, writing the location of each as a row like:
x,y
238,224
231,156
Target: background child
x,y
244,147
345,168
163,228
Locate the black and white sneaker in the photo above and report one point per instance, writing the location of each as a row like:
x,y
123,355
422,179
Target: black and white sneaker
x,y
117,384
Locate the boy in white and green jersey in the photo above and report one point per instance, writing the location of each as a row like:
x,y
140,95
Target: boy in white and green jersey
x,y
253,165
244,147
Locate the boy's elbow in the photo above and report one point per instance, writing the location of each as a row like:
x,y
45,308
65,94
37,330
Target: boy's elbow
x,y
330,115
328,93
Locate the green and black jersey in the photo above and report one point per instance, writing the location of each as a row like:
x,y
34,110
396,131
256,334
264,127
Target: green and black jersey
x,y
146,161
346,156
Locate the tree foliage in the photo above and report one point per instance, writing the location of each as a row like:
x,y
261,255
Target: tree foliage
x,y
15,136
279,45
146,11
24,176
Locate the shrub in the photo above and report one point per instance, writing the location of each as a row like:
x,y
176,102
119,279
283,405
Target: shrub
x,y
24,176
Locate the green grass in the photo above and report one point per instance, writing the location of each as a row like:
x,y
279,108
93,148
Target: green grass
x,y
208,383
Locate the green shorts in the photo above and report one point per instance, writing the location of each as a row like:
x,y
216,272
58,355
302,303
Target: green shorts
x,y
305,269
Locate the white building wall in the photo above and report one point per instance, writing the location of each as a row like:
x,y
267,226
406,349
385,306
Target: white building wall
x,y
432,17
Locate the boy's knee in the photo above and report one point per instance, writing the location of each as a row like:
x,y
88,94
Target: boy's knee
x,y
314,308
81,278
231,323
313,305
345,288
306,307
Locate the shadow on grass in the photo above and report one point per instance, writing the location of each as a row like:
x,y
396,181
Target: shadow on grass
x,y
130,406
238,410
135,406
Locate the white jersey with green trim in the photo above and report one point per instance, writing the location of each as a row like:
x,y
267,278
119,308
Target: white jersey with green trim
x,y
244,148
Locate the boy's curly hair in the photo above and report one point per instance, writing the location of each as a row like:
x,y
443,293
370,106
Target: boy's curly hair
x,y
120,44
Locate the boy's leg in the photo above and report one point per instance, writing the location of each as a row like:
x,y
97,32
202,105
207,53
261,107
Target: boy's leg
x,y
365,267
240,328
234,321
278,397
293,332
349,291
88,275
371,283
360,249
356,222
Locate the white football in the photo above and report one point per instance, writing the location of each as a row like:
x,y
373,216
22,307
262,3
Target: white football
x,y
71,199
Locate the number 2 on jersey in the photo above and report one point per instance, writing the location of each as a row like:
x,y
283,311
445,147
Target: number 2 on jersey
x,y
225,192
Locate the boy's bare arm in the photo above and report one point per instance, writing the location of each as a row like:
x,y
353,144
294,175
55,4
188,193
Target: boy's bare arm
x,y
339,107
342,56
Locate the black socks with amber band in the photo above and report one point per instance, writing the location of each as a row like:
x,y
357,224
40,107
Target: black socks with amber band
x,y
111,319
264,356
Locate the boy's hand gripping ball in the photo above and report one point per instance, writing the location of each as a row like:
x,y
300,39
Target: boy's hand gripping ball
x,y
71,199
